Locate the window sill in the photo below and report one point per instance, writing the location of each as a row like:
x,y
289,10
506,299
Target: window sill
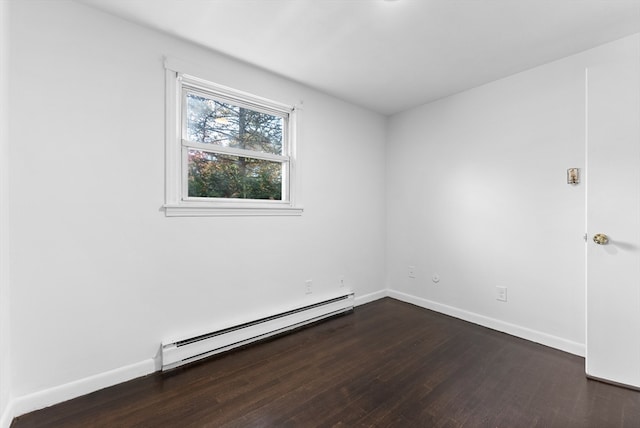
x,y
230,211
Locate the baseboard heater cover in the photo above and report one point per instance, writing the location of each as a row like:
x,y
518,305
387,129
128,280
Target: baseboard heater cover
x,y
179,352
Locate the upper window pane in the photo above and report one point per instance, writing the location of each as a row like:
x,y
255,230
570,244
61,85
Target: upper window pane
x,y
211,121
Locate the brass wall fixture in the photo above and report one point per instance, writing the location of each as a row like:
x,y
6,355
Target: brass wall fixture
x,y
600,238
573,176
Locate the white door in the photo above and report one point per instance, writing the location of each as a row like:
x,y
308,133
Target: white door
x,y
613,209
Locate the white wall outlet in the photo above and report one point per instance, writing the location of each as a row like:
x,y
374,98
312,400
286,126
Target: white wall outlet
x,y
412,271
341,279
501,294
435,278
307,286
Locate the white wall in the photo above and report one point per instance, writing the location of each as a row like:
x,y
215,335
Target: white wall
x,y
477,193
475,190
100,276
5,354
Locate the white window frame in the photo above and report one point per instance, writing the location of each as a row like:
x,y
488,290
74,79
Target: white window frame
x,y
179,77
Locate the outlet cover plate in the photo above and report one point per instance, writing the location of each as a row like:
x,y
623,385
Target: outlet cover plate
x,y
412,271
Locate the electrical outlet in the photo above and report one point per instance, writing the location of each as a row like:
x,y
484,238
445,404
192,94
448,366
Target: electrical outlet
x,y
501,294
412,271
307,286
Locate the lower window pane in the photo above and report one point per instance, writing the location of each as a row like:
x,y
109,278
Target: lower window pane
x,y
213,175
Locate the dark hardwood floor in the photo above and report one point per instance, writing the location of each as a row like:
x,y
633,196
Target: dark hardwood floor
x,y
389,364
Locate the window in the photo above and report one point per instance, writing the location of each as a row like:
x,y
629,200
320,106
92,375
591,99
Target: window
x,y
228,152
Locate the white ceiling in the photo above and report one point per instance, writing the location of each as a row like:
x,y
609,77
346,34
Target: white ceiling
x,y
388,55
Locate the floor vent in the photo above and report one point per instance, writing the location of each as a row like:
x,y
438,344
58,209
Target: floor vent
x,y
179,352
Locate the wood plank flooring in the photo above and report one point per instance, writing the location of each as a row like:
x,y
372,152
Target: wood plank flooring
x,y
389,364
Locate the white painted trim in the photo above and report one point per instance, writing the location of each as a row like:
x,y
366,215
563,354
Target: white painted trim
x,y
5,265
585,179
7,416
173,160
179,78
38,400
213,148
223,93
185,210
494,324
368,298
48,397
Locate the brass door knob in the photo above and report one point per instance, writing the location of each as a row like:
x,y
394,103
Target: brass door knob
x,y
600,238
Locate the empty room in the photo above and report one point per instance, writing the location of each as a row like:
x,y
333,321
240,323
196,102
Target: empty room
x,y
301,213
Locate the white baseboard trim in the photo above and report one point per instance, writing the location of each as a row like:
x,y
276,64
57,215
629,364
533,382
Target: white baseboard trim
x,y
367,298
48,397
494,324
58,394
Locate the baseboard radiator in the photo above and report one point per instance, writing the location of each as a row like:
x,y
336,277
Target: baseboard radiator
x,y
176,353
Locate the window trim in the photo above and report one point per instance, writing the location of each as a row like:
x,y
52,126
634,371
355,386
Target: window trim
x,y
179,74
